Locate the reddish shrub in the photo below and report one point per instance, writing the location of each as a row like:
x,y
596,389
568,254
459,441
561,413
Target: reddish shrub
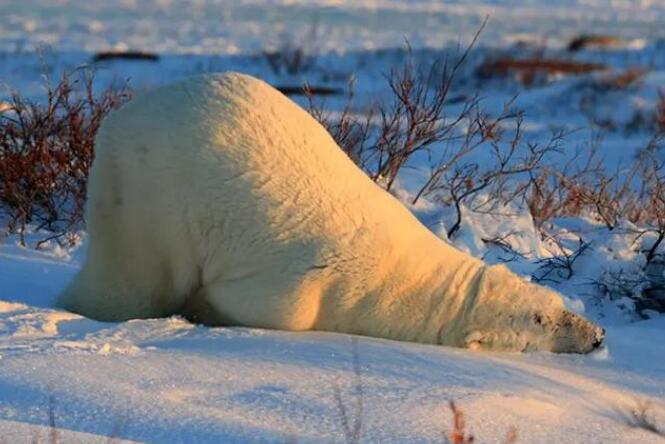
x,y
46,149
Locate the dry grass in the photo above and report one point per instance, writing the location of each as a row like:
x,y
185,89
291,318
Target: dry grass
x,y
594,41
625,79
528,71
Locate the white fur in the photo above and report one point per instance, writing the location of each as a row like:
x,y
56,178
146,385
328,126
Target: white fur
x,y
220,199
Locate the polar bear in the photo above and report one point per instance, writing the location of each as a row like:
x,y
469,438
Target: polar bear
x,y
219,199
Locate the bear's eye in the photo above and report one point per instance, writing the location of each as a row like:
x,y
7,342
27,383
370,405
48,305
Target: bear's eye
x,y
538,318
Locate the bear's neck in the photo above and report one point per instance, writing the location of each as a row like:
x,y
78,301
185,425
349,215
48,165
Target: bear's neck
x,y
421,294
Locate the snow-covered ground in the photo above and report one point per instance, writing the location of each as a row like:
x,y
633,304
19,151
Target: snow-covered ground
x,y
237,26
169,381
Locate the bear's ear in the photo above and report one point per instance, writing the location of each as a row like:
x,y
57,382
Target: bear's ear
x,y
477,340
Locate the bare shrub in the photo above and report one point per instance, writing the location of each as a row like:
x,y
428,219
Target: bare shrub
x,y
384,138
459,434
653,195
46,149
351,131
609,196
635,194
502,242
660,116
547,197
640,416
621,283
582,185
559,266
293,56
483,189
288,59
413,119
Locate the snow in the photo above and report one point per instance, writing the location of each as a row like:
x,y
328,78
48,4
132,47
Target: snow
x,y
240,26
165,380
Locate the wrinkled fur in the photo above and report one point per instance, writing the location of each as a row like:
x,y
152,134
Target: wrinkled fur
x,y
220,199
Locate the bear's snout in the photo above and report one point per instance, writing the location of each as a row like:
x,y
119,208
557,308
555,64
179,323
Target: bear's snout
x,y
600,338
574,334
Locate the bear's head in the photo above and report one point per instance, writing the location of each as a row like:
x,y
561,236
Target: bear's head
x,y
509,313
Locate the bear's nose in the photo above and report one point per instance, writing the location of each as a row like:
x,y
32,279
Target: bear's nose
x,y
600,337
